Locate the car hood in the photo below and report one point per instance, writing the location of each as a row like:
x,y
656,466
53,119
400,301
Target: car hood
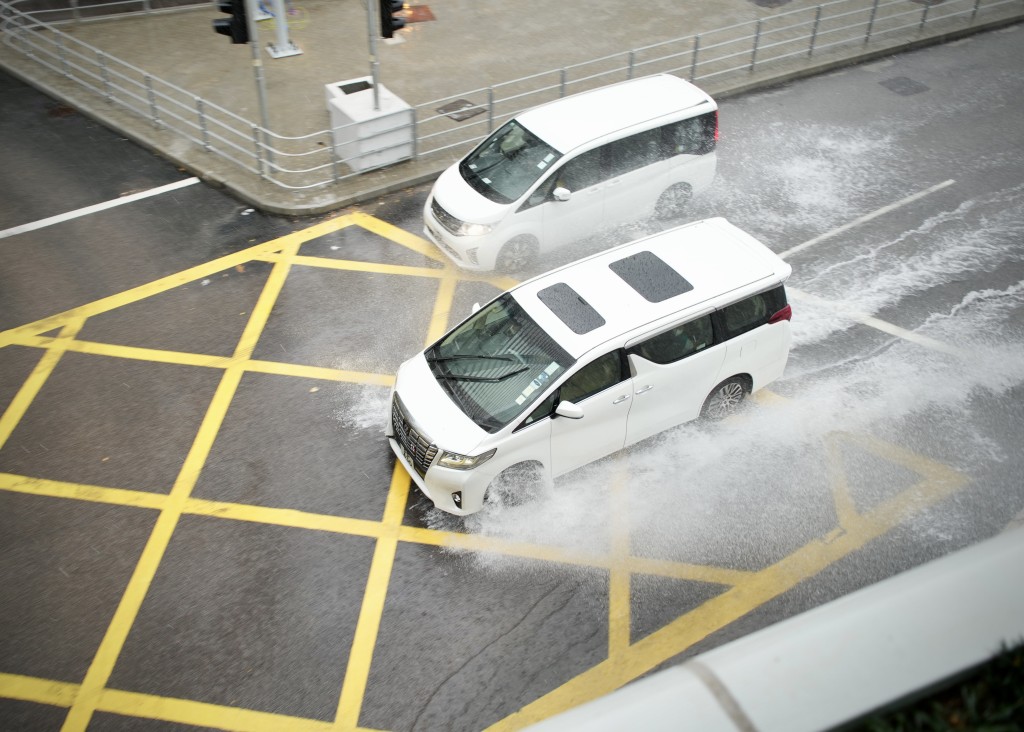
x,y
461,200
432,411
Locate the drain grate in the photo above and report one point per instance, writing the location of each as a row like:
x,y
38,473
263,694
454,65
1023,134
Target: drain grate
x,y
904,86
460,110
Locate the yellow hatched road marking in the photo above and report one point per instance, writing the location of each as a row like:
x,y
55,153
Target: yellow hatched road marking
x,y
625,660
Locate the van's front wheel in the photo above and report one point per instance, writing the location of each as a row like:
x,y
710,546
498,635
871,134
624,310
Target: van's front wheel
x,y
673,202
725,398
519,484
517,254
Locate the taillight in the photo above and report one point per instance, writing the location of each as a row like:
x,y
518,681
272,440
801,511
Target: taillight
x,y
785,314
716,125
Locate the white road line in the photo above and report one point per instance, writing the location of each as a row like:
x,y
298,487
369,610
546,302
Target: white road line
x,y
873,322
42,223
866,218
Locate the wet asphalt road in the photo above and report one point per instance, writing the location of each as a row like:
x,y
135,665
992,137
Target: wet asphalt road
x,y
201,492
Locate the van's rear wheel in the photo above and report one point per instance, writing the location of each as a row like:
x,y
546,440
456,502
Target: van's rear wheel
x,y
673,202
517,485
517,254
725,398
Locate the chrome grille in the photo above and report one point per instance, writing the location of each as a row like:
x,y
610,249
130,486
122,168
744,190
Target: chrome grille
x,y
417,447
444,218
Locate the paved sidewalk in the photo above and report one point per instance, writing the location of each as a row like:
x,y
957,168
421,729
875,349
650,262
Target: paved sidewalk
x,y
469,45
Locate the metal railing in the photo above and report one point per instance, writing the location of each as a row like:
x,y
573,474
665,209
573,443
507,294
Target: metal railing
x,y
712,59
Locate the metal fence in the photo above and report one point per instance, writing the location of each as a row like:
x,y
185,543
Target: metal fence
x,y
717,58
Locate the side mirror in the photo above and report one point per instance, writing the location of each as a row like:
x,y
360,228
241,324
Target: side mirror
x,y
569,410
561,194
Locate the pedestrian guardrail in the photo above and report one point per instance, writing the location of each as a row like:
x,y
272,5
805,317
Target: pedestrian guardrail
x,y
715,59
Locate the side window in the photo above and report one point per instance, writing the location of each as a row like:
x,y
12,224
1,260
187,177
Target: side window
x,y
581,172
601,373
630,153
677,343
694,136
752,312
544,409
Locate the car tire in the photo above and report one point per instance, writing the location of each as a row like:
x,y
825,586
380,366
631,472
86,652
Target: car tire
x,y
725,398
518,485
674,201
517,254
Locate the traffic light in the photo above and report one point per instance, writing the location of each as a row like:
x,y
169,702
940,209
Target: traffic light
x,y
238,27
388,22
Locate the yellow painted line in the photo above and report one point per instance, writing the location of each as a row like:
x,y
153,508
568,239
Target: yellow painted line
x,y
939,482
846,509
31,386
442,309
400,236
80,492
288,517
619,609
357,673
480,543
352,265
127,610
683,571
201,714
41,691
319,372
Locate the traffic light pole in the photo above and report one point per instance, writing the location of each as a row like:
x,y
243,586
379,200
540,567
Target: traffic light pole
x,y
257,67
374,63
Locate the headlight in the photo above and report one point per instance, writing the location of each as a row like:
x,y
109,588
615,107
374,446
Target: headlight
x,y
455,461
468,229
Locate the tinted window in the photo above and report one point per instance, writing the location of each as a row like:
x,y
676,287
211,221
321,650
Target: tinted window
x,y
507,163
694,136
630,153
601,373
677,343
752,312
497,363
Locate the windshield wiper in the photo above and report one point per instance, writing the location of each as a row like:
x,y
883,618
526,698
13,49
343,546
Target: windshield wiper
x,y
462,356
489,379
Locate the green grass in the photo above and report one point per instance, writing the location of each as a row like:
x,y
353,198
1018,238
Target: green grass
x,y
990,699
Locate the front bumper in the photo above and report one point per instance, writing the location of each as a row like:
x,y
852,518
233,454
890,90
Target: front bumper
x,y
441,485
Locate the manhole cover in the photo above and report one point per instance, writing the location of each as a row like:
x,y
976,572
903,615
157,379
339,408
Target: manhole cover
x,y
904,86
418,14
460,109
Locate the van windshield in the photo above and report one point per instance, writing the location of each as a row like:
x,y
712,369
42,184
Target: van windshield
x,y
497,363
507,163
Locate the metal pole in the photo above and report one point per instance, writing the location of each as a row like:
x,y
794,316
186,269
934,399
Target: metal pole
x,y
334,154
374,64
924,14
974,13
871,21
814,33
202,124
693,64
415,132
632,60
757,41
562,77
284,46
153,109
105,75
257,69
490,109
256,145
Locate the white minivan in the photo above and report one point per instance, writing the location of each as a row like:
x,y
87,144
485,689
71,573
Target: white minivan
x,y
569,168
591,357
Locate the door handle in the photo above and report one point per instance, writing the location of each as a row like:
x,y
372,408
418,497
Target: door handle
x,y
642,389
621,399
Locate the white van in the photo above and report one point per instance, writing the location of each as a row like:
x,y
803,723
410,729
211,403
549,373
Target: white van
x,y
567,169
577,363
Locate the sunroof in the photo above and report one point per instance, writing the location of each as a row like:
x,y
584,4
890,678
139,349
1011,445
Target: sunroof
x,y
570,308
648,274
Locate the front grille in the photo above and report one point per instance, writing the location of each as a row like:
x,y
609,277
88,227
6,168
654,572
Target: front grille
x,y
417,447
446,220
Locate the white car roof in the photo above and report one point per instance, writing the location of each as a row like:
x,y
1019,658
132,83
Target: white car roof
x,y
708,262
567,123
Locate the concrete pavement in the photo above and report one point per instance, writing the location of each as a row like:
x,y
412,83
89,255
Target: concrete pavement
x,y
456,47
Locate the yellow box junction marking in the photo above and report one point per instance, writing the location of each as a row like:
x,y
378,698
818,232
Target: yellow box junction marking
x,y
625,662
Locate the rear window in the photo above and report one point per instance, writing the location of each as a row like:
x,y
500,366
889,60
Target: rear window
x,y
752,312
